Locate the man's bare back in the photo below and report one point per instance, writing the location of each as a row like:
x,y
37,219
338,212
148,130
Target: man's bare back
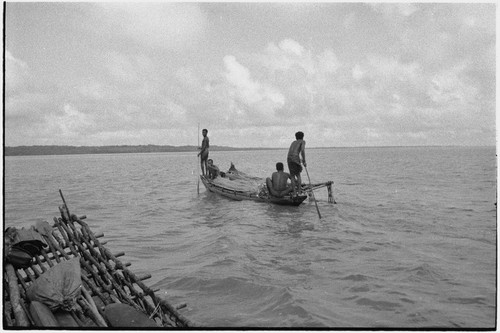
x,y
296,149
277,184
280,179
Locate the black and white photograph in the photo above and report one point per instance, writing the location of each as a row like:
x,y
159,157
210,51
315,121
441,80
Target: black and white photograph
x,y
249,165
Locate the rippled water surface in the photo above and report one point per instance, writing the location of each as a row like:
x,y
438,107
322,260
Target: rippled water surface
x,y
410,243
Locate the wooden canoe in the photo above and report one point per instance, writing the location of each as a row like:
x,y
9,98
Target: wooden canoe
x,y
233,194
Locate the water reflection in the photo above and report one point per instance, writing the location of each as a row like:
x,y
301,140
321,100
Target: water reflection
x,y
296,219
216,210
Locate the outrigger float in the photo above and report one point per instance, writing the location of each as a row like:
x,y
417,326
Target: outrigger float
x,y
61,275
263,195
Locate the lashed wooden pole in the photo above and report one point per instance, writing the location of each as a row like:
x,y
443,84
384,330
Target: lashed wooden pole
x,y
15,298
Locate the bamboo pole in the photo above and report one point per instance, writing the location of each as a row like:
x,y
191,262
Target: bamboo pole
x,y
7,310
315,202
15,299
93,308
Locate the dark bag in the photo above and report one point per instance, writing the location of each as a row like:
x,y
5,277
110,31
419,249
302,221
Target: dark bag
x,y
21,245
59,286
27,239
19,258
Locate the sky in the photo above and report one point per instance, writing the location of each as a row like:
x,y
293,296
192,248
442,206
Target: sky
x,y
346,74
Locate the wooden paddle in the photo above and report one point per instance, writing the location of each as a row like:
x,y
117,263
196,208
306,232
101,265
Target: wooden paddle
x,y
310,185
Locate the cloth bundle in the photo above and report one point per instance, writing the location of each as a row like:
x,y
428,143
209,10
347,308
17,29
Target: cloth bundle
x,y
21,245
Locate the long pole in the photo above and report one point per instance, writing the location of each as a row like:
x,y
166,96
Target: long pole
x,y
310,185
198,186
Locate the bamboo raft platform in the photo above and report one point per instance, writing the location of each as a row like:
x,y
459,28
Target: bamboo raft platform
x,y
105,281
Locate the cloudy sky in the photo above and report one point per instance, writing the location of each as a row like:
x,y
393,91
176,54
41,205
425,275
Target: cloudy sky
x,y
346,74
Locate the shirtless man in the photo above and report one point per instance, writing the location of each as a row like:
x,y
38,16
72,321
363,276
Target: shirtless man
x,y
297,149
205,144
212,169
278,183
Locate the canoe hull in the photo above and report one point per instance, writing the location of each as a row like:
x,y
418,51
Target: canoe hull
x,y
245,195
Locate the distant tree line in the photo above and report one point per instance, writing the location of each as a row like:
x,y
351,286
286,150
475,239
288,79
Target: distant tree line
x,y
70,150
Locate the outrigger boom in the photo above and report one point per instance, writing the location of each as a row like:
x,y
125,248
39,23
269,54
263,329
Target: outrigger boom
x,y
328,185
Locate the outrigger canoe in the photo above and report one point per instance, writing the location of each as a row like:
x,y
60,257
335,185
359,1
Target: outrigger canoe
x,y
262,196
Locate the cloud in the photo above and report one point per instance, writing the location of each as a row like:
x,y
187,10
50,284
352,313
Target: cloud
x,y
286,55
92,90
371,101
292,59
303,77
161,25
381,94
327,62
26,108
129,77
16,74
70,123
187,76
291,47
261,97
450,87
121,68
403,71
357,72
25,102
391,10
349,21
391,68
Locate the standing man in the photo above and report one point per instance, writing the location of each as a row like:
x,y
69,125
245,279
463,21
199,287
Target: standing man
x,y
204,152
297,149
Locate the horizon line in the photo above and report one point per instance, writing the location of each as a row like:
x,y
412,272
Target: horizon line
x,y
232,147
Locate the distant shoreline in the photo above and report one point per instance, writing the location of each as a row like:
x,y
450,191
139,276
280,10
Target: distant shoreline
x,y
123,149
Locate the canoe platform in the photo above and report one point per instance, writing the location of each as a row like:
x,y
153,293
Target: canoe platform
x,y
110,295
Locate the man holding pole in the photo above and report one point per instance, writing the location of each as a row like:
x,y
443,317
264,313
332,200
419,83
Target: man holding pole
x,y
297,149
205,144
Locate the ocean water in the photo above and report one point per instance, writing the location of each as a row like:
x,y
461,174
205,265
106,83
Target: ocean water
x,y
410,243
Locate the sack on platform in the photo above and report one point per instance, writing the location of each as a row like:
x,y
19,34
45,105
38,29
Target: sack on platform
x,y
59,286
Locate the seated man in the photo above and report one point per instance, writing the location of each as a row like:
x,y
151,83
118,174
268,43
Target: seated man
x,y
278,183
212,169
